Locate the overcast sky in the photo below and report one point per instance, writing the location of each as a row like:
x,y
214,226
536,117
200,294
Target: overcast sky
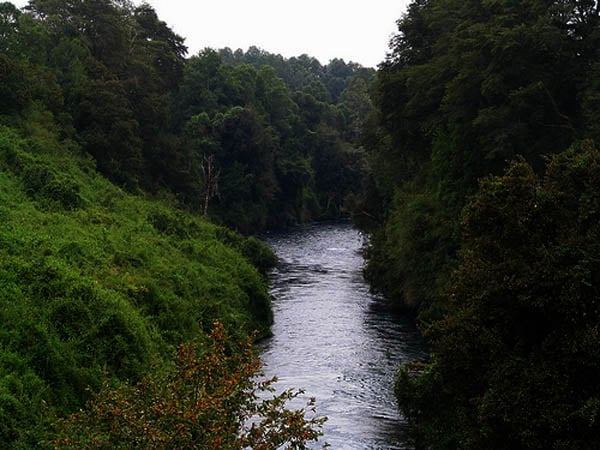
x,y
355,30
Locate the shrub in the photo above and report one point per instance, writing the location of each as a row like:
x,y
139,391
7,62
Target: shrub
x,y
210,399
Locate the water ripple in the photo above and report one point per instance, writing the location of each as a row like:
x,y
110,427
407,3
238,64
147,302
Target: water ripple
x,y
336,340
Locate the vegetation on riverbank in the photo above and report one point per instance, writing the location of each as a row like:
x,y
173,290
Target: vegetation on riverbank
x,y
98,284
115,151
210,399
480,192
249,139
482,201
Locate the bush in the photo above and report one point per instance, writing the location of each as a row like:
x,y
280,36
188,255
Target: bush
x,y
45,185
211,399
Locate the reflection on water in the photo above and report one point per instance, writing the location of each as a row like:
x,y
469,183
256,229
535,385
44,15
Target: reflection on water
x,y
335,339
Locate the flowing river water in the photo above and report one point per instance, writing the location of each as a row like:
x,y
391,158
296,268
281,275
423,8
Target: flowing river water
x,y
335,339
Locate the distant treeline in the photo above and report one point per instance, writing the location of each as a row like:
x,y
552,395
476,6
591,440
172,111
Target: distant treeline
x,y
250,138
483,201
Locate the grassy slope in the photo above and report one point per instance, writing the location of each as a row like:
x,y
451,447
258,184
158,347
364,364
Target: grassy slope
x,y
97,283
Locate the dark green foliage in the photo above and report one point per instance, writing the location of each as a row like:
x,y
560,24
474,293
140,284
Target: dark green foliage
x,y
112,77
281,156
259,254
516,357
97,284
413,271
468,86
116,66
21,393
41,183
110,131
256,251
303,73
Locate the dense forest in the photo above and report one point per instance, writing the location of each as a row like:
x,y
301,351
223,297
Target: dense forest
x,y
132,176
242,137
482,198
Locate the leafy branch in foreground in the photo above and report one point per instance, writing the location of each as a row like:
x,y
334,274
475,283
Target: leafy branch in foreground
x,y
213,398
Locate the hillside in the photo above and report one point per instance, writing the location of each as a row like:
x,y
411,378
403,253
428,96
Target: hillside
x,y
101,284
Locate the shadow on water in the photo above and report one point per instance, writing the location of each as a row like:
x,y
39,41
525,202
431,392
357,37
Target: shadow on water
x,y
335,339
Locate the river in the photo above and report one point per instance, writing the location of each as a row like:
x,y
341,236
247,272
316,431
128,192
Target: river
x,y
335,339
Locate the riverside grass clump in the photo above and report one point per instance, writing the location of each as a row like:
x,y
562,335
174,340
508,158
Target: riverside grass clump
x,y
98,285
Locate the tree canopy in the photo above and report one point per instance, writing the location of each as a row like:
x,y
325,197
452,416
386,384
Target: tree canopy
x,y
480,200
467,87
115,78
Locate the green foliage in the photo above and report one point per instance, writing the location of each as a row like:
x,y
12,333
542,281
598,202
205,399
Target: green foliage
x,y
502,271
21,393
99,285
281,156
466,87
515,357
412,262
110,131
114,66
255,250
112,77
211,398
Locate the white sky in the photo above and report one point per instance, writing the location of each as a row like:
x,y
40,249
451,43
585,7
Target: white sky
x,y
353,30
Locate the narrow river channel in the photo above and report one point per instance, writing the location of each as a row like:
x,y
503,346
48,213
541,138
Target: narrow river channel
x,y
335,339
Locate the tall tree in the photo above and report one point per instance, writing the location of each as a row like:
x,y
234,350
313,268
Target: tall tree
x,y
117,64
466,87
515,359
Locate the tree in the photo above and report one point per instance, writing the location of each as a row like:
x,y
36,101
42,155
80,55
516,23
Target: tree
x,y
210,176
26,82
468,86
117,65
246,160
357,102
198,91
110,131
515,360
211,398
